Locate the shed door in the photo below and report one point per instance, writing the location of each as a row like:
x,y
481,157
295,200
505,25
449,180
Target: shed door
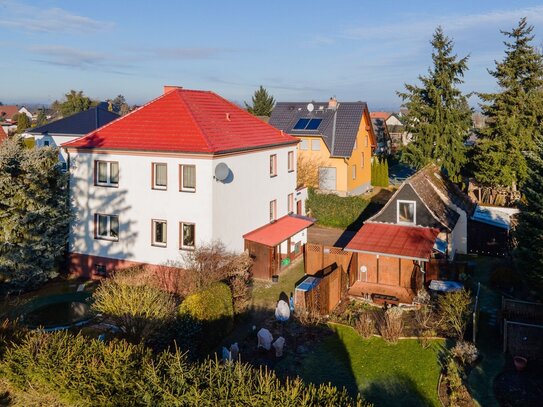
x,y
327,178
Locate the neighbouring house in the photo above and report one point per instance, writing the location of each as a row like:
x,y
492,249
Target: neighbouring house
x,y
380,128
397,131
489,230
429,199
186,169
337,136
8,113
70,128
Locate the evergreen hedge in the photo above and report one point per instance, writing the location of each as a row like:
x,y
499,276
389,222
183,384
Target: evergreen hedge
x,y
379,172
69,370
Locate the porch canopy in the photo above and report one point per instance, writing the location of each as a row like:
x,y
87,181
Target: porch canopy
x,y
408,242
273,234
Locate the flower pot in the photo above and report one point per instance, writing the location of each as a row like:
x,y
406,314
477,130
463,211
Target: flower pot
x,y
520,363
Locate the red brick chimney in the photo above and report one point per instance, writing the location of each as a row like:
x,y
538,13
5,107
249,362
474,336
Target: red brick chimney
x,y
169,88
332,103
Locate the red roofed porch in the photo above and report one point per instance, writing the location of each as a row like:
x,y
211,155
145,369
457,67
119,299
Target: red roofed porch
x,y
276,244
389,261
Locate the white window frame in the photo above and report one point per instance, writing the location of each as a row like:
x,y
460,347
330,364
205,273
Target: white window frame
x,y
304,145
398,202
290,159
154,172
108,182
153,233
317,143
109,236
273,210
182,188
182,246
273,165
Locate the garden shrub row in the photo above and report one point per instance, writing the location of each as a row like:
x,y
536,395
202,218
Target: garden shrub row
x,y
335,211
68,370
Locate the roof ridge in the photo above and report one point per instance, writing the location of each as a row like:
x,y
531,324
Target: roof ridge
x,y
192,116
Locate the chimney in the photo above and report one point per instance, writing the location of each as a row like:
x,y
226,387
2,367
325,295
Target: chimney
x,y
332,103
228,116
169,88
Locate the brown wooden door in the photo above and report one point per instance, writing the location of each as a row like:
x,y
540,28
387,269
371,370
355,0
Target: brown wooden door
x,y
299,207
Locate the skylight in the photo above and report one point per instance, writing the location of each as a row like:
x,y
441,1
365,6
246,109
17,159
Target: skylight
x,y
307,124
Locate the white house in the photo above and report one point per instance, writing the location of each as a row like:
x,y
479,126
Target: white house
x,y
185,169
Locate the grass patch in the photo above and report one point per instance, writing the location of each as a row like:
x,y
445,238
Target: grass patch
x,y
335,211
266,294
387,375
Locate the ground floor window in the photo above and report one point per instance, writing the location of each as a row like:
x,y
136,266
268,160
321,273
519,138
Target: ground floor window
x,y
159,233
106,227
187,233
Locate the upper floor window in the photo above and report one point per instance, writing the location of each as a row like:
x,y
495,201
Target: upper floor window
x,y
273,210
304,145
106,173
366,141
362,163
290,161
353,171
187,232
406,212
106,227
273,165
159,233
160,176
315,145
290,200
187,178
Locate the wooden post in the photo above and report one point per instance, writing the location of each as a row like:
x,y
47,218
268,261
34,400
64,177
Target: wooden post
x,y
504,335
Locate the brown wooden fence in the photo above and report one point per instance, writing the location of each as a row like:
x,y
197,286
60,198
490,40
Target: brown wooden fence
x,y
317,257
327,294
523,328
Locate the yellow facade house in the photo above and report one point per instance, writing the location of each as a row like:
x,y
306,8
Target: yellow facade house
x,y
336,137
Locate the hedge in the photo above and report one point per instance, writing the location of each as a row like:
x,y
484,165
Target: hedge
x,y
69,370
335,211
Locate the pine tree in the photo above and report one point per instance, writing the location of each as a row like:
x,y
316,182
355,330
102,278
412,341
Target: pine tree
x,y
23,123
439,117
263,103
529,232
34,213
514,114
74,102
42,118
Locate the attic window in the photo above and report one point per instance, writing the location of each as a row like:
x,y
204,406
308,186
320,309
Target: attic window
x,y
406,212
307,124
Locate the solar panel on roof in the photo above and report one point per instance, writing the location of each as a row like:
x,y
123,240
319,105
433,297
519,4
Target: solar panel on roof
x,y
313,124
301,124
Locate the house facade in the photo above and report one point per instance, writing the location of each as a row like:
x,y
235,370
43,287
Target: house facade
x,y
337,136
186,169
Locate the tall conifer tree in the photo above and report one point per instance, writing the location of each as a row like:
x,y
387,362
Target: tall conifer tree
x,y
438,117
514,114
263,103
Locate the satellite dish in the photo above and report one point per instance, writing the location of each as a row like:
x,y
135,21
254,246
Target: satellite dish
x,y
310,107
221,171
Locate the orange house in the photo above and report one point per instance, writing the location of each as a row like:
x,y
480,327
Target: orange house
x,y
337,136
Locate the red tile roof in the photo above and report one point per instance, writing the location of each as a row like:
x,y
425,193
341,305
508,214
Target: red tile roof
x,y
184,120
279,231
380,115
7,112
395,240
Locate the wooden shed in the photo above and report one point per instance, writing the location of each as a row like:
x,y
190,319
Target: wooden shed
x,y
276,244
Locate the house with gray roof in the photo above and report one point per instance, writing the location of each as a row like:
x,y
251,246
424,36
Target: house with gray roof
x,y
337,142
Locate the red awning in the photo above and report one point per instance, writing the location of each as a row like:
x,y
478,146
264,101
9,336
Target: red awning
x,y
279,231
394,240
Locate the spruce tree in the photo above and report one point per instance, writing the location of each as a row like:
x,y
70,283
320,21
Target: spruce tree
x,y
529,232
34,213
514,114
438,117
263,103
385,172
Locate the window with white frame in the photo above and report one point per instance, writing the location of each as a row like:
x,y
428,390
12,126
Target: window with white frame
x,y
159,231
406,212
187,178
106,227
187,235
273,210
304,144
315,144
106,173
290,200
290,161
273,165
160,176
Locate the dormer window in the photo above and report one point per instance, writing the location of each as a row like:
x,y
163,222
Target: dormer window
x,y
406,212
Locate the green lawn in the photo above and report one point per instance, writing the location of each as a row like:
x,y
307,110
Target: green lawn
x,y
266,294
336,211
404,374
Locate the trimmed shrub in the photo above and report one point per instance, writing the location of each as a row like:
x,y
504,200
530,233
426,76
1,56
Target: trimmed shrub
x,y
365,325
465,352
335,211
213,308
391,324
454,311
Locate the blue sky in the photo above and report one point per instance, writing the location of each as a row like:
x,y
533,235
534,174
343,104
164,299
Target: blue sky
x,y
299,50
